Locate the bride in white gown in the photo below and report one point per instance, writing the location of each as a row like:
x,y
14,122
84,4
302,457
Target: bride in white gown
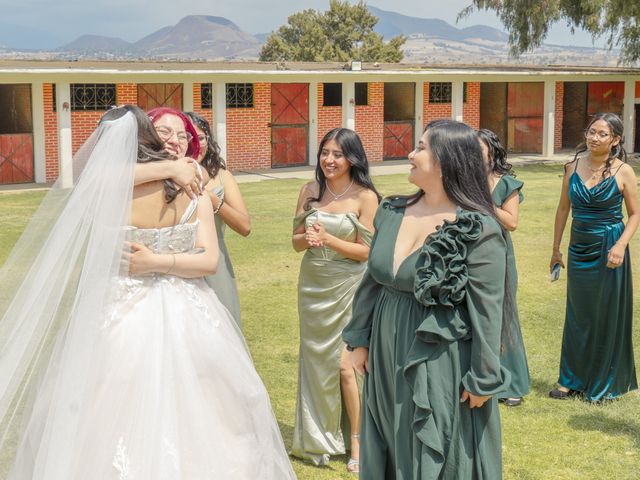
x,y
148,377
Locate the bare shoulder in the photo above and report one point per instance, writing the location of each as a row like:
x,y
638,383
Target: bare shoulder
x,y
310,189
366,195
571,166
624,168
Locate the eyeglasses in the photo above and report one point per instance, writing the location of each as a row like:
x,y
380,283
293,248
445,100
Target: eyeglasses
x,y
593,133
202,139
165,134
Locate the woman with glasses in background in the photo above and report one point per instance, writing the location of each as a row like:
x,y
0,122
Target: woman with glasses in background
x,y
229,209
597,352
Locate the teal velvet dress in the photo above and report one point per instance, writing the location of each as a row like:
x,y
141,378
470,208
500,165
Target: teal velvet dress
x,y
597,351
433,330
326,285
512,354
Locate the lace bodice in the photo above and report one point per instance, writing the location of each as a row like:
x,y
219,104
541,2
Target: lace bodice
x,y
176,239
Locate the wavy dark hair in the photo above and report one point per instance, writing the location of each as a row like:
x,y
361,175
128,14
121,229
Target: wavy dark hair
x,y
150,146
617,151
497,153
464,175
352,149
212,162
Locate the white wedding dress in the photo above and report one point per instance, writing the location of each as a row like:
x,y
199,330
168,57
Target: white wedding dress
x,y
174,393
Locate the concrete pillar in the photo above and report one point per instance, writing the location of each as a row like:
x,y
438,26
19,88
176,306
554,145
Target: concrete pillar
x,y
39,154
220,113
65,150
187,97
419,111
549,119
628,114
349,105
313,123
457,100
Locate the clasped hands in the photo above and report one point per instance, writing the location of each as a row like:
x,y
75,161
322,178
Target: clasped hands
x,y
316,236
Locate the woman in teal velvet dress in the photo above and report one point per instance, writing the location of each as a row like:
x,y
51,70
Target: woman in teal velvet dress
x,y
229,210
597,352
506,192
427,320
333,226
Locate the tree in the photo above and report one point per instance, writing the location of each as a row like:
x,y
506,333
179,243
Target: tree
x,y
342,33
528,21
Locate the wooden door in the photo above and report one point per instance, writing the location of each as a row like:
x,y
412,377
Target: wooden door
x,y
636,143
525,112
16,134
289,124
152,95
493,108
399,120
574,113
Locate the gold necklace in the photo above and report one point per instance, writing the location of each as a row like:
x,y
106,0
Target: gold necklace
x,y
337,196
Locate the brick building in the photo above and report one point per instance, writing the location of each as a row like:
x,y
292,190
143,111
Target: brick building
x,y
274,115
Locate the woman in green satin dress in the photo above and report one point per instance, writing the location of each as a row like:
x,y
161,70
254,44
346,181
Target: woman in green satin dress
x,y
229,210
333,226
597,352
427,320
506,193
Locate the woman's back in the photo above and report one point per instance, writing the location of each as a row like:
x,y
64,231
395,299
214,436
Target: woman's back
x,y
149,208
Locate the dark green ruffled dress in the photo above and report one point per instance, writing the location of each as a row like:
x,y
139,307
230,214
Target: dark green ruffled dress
x,y
433,329
512,355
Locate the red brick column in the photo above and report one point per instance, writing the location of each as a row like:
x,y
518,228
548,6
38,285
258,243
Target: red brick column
x,y
370,122
127,93
52,167
207,113
471,108
248,132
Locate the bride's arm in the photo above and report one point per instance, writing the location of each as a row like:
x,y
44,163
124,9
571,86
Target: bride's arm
x,y
181,171
143,261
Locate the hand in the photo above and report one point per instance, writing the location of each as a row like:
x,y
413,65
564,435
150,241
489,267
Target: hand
x,y
556,257
360,359
312,237
184,174
615,256
142,261
475,401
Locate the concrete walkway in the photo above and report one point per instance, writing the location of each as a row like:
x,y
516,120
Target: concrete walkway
x,y
388,167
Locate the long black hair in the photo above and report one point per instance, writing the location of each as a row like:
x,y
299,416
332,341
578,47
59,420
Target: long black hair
x,y
497,153
617,130
464,176
351,146
212,161
150,146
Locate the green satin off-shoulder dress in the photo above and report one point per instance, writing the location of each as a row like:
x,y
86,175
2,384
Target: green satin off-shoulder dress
x,y
326,285
513,355
433,330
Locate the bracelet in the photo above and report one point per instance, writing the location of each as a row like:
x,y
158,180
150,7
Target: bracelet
x,y
173,264
217,209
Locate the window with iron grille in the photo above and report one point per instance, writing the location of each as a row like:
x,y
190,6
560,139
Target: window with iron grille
x,y
239,95
440,92
332,95
93,96
362,93
206,102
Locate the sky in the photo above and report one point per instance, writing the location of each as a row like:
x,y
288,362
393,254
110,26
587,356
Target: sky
x,y
131,20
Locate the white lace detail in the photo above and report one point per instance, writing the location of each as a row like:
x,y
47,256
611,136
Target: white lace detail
x,y
121,461
196,299
124,289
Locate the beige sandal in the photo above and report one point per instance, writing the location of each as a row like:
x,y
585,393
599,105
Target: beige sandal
x,y
353,465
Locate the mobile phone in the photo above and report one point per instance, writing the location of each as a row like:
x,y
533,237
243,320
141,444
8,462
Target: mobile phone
x,y
555,272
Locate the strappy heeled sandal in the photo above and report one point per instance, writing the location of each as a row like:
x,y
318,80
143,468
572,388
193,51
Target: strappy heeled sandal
x,y
353,465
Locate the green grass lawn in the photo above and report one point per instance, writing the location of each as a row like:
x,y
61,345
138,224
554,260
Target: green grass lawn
x,y
542,439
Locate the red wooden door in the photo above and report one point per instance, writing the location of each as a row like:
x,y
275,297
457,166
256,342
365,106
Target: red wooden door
x,y
16,158
398,139
605,97
152,95
289,124
525,111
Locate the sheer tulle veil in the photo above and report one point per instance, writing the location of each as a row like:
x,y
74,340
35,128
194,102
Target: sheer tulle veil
x,y
53,291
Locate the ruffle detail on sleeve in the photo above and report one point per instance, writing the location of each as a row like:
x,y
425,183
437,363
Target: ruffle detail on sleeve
x,y
508,185
442,275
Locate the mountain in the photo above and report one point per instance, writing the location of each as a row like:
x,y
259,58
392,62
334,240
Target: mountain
x,y
391,24
200,36
96,43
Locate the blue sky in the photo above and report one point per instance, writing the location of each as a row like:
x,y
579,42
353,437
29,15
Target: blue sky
x,y
131,20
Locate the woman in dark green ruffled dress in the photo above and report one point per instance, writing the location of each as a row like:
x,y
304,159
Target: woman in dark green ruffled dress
x,y
506,192
597,352
427,320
